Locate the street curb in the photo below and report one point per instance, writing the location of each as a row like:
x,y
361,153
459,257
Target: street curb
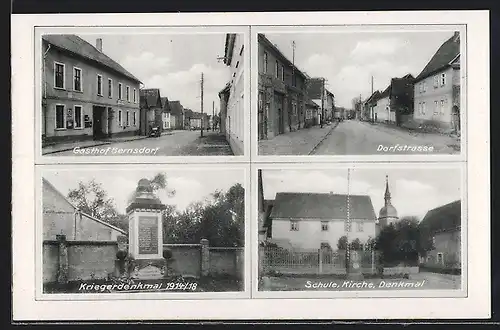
x,y
323,139
94,145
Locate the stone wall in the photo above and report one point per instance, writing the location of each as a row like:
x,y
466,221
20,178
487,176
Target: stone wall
x,y
226,261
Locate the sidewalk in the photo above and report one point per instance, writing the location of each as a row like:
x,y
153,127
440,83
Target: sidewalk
x,y
211,144
430,138
66,146
301,142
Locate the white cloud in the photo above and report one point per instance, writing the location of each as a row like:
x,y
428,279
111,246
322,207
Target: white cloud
x,y
146,64
186,191
317,65
376,47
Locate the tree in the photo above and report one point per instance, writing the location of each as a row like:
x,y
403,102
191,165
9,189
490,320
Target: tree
x,y
356,245
158,182
92,199
342,243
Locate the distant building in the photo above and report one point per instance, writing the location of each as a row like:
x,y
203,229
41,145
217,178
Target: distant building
x,y
151,110
437,88
311,114
176,114
195,120
368,113
442,226
168,120
312,220
61,217
381,106
281,92
85,93
232,107
317,92
401,99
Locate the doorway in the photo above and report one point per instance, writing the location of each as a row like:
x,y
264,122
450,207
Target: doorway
x,y
97,125
278,102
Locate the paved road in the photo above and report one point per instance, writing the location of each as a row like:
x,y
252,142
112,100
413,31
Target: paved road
x,y
180,143
353,137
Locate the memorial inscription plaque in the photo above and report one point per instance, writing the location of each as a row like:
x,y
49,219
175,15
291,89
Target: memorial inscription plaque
x,y
148,235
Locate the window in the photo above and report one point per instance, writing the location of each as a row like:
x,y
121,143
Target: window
x,y
277,70
294,225
282,73
265,63
324,225
78,116
440,259
424,86
443,79
60,116
110,88
135,95
59,75
423,108
360,226
99,85
436,107
120,117
443,106
433,241
241,50
120,91
308,114
127,93
128,119
436,81
135,118
77,79
347,226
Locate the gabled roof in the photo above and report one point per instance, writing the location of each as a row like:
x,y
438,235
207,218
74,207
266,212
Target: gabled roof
x,y
149,97
165,104
446,217
176,107
443,57
50,186
322,206
267,43
311,103
76,45
373,97
385,93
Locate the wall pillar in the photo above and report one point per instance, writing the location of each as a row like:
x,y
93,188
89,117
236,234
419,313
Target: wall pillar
x,y
205,257
62,273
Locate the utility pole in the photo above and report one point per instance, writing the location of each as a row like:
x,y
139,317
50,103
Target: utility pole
x,y
201,120
293,82
322,119
213,115
348,220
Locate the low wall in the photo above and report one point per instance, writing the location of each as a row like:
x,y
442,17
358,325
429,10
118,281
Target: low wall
x,y
226,261
186,259
50,261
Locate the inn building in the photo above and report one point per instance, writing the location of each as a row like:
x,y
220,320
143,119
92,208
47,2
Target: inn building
x,y
85,93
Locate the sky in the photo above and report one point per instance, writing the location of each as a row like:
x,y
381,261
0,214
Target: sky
x,y
173,63
414,191
348,60
190,185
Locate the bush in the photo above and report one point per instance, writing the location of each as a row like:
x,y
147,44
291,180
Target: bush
x,y
121,255
167,254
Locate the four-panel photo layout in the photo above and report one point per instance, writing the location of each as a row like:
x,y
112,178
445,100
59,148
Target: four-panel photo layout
x,y
251,162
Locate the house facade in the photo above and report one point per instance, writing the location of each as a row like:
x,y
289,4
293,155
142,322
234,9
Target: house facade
x,y
311,114
318,93
281,92
381,107
401,99
442,226
310,220
60,217
151,110
176,114
168,121
85,93
232,96
437,88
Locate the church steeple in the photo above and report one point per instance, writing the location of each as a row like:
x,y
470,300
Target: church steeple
x,y
387,195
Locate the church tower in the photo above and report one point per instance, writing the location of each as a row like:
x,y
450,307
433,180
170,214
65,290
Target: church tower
x,y
388,213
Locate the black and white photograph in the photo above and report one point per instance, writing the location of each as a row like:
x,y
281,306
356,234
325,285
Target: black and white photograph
x,y
359,93
131,231
142,94
360,229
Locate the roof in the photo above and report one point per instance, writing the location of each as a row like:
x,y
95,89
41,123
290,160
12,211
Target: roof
x,y
76,45
165,104
48,184
311,103
228,48
149,97
314,87
443,218
373,97
322,206
269,44
443,57
385,93
176,107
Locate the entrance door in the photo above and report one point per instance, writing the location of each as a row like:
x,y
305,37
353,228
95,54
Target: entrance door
x,y
278,102
97,114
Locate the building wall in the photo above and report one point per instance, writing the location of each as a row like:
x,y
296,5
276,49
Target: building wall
x,y
86,98
226,261
235,111
440,117
186,259
383,110
59,217
447,243
278,93
310,236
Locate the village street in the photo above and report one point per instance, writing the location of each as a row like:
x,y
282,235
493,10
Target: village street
x,y
175,143
353,137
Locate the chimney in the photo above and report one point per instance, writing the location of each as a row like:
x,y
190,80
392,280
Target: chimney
x,y
456,36
98,44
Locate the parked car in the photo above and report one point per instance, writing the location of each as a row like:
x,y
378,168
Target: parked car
x,y
155,131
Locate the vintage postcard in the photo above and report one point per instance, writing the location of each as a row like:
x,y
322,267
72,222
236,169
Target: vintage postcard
x,y
251,166
132,92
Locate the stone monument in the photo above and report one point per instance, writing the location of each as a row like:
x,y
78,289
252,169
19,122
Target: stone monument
x,y
145,239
